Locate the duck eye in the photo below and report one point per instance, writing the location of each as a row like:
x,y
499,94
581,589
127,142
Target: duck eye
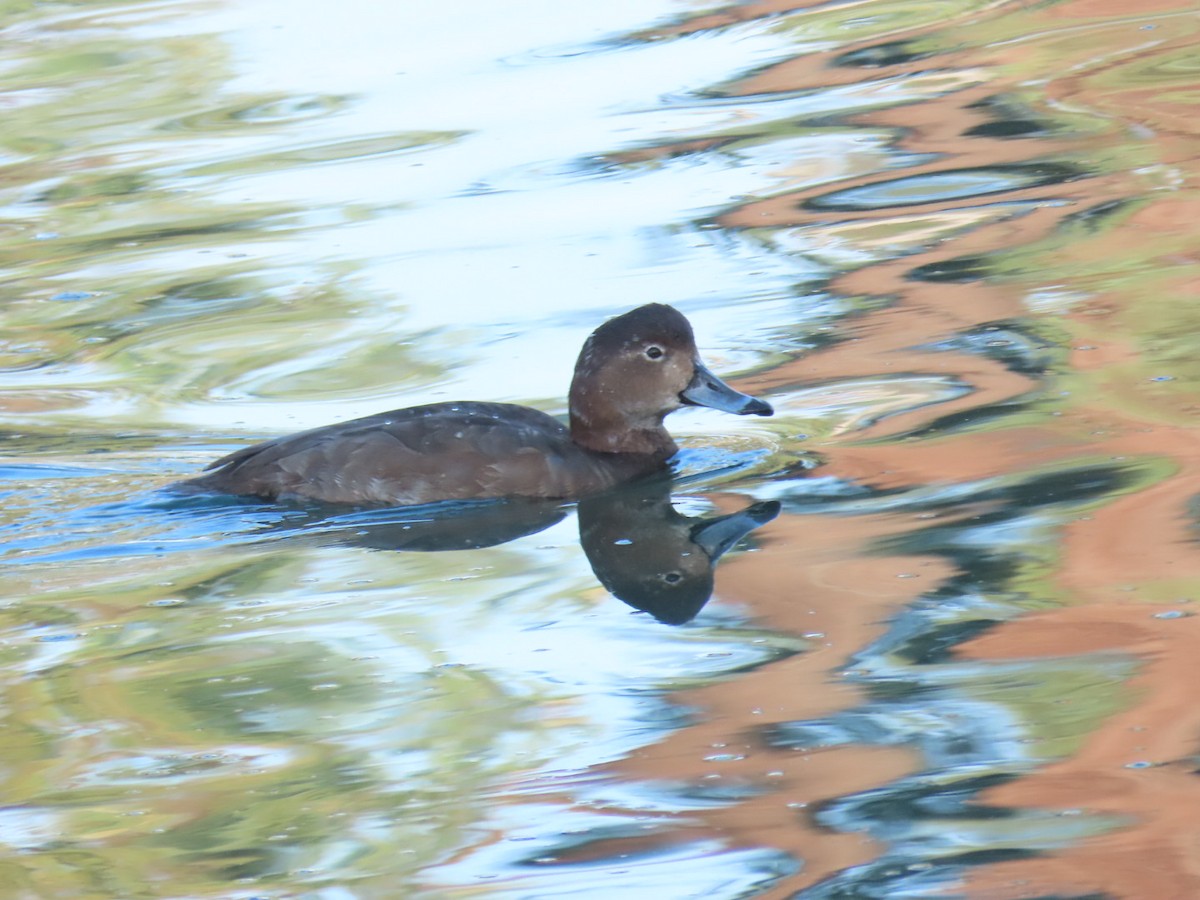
x,y
655,352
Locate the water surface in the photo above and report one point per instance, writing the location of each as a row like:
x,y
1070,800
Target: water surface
x,y
949,242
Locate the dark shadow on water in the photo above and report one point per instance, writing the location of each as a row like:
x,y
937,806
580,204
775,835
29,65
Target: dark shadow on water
x,y
431,528
643,551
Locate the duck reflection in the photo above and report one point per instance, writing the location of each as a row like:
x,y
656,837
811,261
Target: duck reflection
x,y
654,559
464,525
640,548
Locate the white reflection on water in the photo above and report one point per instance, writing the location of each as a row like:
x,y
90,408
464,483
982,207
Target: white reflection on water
x,y
449,173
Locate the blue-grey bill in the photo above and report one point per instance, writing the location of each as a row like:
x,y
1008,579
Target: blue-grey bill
x,y
706,389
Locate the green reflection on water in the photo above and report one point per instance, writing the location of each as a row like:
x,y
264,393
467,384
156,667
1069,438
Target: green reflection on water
x,y
116,252
1060,703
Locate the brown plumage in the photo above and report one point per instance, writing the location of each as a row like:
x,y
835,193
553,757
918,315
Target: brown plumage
x,y
633,371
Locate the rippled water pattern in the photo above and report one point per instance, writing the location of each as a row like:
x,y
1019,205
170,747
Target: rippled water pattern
x,y
952,243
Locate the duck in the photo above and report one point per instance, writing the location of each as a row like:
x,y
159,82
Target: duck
x,y
632,371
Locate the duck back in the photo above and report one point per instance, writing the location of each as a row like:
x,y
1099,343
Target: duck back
x,y
424,454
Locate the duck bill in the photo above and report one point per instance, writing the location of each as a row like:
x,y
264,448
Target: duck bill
x,y
715,536
706,389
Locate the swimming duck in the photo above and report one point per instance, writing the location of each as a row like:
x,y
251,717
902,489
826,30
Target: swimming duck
x,y
632,371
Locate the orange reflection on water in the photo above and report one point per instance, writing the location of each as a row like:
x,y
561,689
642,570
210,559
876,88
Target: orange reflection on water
x,y
1118,99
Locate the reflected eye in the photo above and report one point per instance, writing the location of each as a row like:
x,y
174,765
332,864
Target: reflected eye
x,y
672,578
655,352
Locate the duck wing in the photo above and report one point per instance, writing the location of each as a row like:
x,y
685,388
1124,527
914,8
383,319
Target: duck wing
x,y
443,451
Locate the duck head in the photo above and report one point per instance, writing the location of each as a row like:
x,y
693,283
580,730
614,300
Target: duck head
x,y
633,371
